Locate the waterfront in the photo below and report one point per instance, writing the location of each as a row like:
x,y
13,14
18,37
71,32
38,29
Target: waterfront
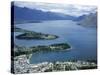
x,y
22,65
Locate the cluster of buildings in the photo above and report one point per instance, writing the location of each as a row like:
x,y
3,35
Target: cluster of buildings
x,y
22,65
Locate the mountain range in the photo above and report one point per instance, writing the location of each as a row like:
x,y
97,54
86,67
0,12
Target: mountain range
x,y
25,14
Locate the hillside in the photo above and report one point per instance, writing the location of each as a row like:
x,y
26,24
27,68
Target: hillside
x,y
89,20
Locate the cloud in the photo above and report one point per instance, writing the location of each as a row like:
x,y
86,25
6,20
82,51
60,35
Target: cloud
x,y
68,9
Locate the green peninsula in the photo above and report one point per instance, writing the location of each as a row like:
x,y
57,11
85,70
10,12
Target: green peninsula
x,y
29,35
36,35
53,47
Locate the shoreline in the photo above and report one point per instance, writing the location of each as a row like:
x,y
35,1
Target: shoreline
x,y
22,65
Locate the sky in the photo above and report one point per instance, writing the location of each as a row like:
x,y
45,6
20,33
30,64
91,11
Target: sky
x,y
67,9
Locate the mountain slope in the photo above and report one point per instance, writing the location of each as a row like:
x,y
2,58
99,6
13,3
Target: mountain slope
x,y
89,20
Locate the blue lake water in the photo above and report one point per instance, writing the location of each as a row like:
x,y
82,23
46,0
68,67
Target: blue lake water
x,y
82,39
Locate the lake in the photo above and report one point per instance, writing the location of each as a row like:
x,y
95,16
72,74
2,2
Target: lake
x,y
83,40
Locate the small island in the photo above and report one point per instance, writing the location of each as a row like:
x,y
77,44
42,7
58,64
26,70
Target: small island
x,y
36,36
53,47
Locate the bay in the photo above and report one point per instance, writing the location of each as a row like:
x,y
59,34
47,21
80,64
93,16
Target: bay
x,y
83,40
